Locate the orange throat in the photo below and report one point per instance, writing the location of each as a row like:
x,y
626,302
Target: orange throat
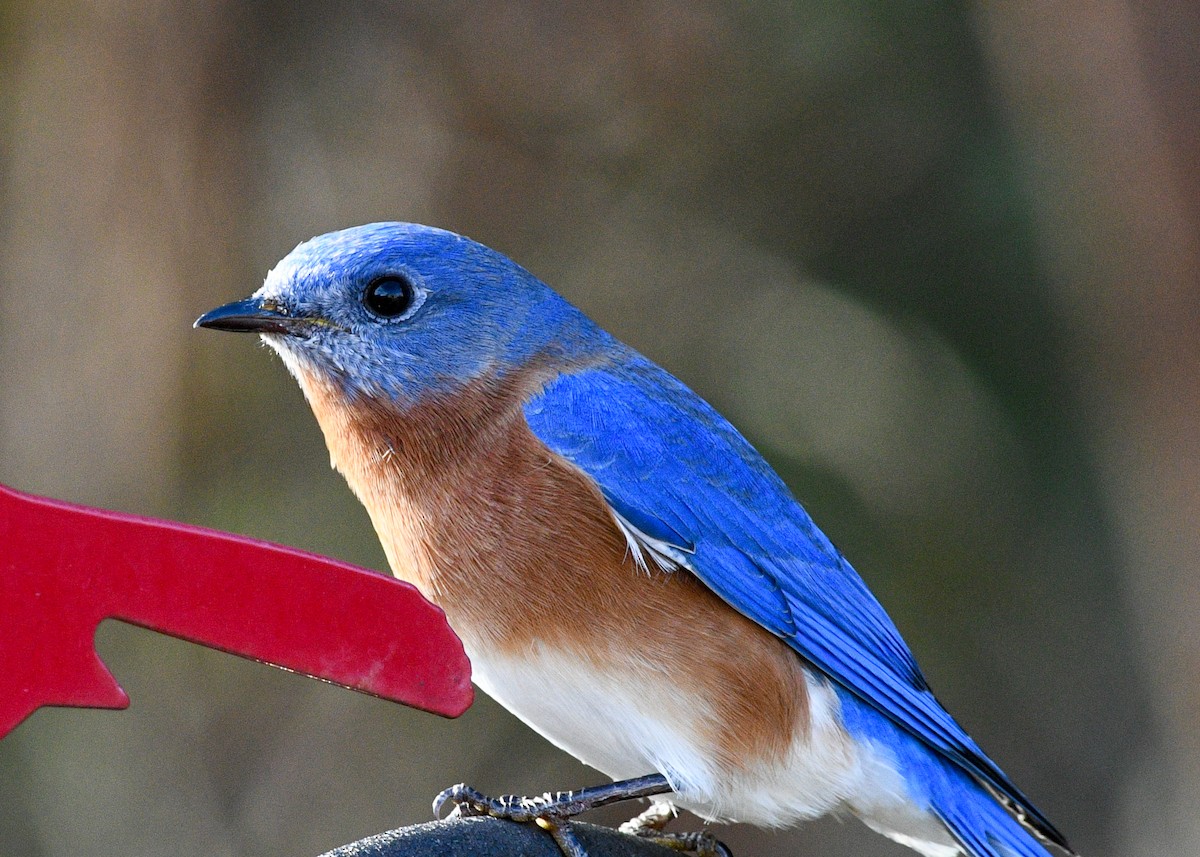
x,y
464,498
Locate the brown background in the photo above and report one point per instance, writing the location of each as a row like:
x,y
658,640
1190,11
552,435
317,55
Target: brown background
x,y
937,260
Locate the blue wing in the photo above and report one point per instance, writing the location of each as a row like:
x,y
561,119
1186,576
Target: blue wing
x,y
676,470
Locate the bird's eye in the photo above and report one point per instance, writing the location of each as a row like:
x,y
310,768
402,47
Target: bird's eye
x,y
389,297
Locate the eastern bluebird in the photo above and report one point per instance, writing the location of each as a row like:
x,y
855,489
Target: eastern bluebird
x,y
627,574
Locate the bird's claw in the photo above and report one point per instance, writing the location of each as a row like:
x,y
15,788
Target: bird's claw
x,y
650,826
469,802
548,811
652,820
552,812
700,844
460,796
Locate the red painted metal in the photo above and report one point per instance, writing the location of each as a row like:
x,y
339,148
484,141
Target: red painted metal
x,y
65,568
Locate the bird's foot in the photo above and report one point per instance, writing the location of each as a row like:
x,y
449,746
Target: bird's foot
x,y
652,820
552,811
651,823
551,805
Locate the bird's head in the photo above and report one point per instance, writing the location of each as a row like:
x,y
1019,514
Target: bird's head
x,y
402,311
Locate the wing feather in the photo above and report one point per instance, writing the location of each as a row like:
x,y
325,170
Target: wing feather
x,y
684,480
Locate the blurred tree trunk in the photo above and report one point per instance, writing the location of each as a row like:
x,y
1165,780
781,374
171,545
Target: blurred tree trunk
x,y
103,212
1123,242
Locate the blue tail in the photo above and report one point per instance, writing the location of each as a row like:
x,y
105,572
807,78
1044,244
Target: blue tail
x,y
972,815
980,824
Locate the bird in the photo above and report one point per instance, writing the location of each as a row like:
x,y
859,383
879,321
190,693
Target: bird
x,y
626,572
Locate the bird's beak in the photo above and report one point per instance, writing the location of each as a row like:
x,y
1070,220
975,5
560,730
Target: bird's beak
x,y
250,316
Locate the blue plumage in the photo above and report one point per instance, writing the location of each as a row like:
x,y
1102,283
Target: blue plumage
x,y
664,449
679,479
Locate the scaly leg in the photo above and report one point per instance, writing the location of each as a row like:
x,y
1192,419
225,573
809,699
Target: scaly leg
x,y
552,811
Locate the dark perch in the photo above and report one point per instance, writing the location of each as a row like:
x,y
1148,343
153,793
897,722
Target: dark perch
x,y
491,837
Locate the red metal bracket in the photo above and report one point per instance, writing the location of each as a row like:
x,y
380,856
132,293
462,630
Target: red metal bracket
x,y
65,568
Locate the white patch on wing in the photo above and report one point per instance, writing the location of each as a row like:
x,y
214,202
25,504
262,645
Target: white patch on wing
x,y
644,548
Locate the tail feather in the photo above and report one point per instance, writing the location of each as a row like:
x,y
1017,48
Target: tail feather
x,y
977,818
980,824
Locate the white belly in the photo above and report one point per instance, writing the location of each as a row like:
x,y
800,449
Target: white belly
x,y
629,726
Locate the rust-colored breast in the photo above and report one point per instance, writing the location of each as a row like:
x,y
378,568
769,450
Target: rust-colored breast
x,y
519,548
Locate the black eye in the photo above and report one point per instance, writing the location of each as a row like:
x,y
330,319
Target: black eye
x,y
389,297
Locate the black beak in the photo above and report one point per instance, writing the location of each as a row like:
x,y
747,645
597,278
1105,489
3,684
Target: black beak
x,y
248,316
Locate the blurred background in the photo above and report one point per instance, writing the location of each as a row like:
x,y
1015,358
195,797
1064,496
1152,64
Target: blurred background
x,y
938,261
